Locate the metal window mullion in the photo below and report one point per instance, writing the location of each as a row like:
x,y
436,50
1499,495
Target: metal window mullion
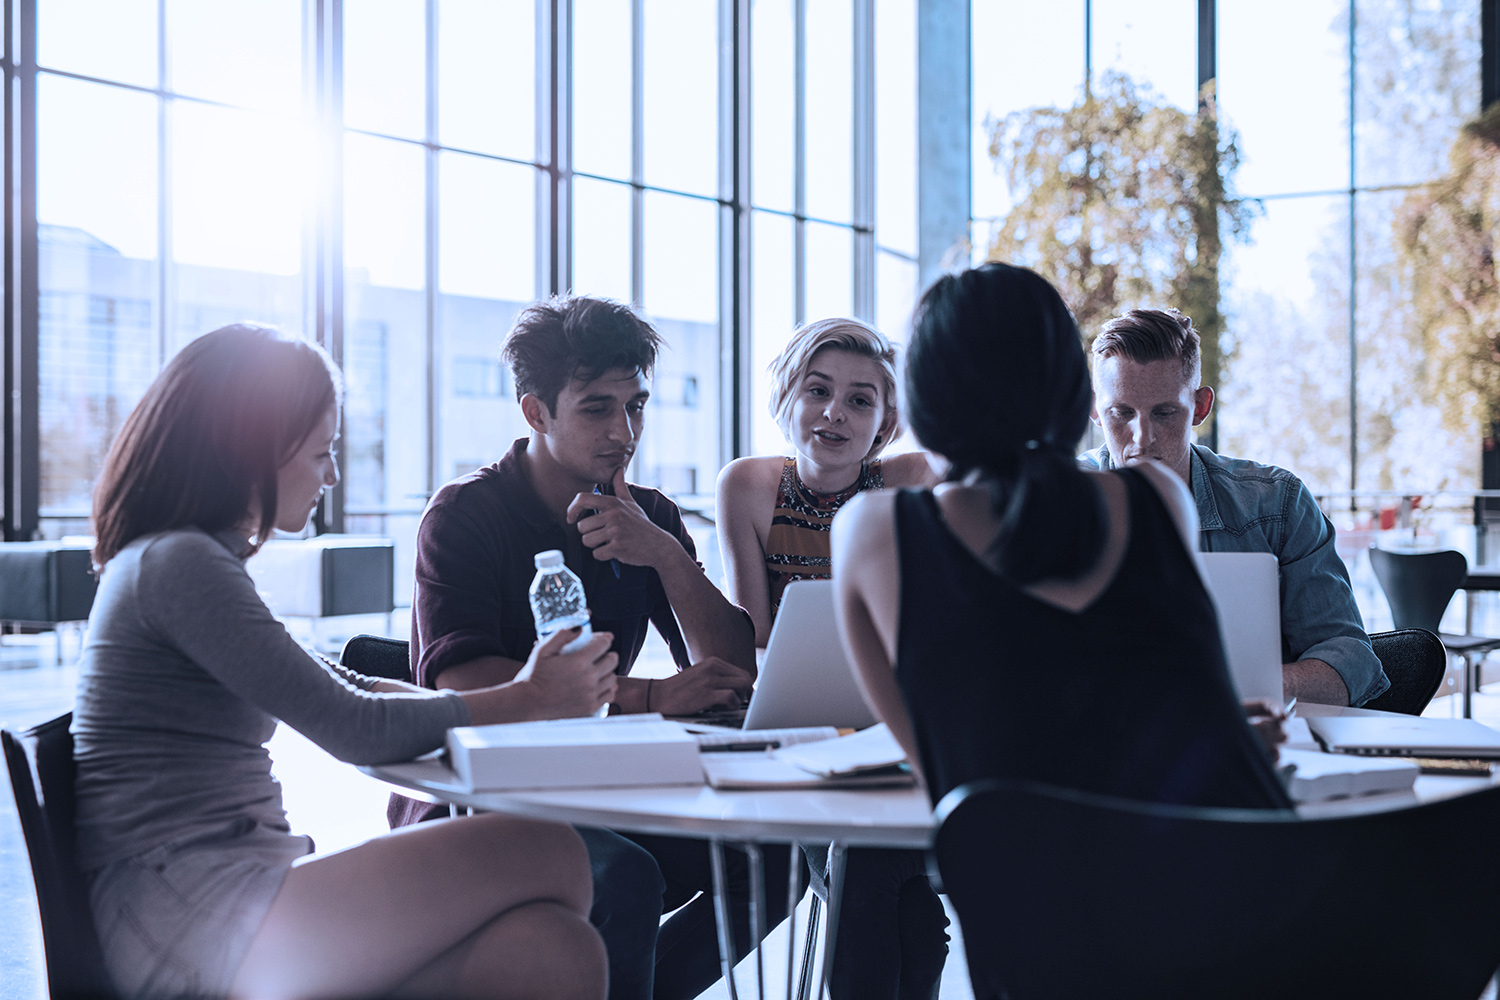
x,y
430,232
864,166
1489,52
734,227
555,145
637,152
164,248
329,238
22,374
1353,287
1208,30
312,228
8,449
1088,47
1208,92
799,160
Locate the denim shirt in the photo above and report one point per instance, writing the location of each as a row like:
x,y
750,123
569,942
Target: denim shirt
x,y
1244,506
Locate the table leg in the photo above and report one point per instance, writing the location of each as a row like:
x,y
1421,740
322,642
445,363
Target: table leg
x,y
757,914
1468,686
835,897
722,916
793,897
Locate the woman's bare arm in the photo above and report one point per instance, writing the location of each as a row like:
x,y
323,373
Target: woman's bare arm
x,y
867,601
743,513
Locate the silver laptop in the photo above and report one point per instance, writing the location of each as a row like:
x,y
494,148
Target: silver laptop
x,y
1406,736
805,678
1246,593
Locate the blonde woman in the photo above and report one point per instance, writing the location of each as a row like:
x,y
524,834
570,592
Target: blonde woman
x,y
834,396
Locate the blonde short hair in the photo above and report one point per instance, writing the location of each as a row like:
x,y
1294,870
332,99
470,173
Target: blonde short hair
x,y
791,365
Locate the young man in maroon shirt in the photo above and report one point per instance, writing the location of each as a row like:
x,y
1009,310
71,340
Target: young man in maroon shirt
x,y
581,368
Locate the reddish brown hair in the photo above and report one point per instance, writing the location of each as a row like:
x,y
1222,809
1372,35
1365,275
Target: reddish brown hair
x,y
210,434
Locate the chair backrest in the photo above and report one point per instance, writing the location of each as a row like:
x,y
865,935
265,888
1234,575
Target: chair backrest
x,y
1065,894
40,764
1415,661
1418,585
377,656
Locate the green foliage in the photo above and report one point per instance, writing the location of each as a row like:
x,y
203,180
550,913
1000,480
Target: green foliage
x,y
1123,201
1446,234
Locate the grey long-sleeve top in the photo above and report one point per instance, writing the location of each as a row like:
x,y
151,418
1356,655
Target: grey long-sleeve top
x,y
183,677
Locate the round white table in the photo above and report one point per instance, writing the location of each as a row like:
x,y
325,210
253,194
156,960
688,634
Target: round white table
x,y
841,818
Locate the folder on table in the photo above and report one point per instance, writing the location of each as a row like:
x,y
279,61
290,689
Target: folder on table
x,y
575,753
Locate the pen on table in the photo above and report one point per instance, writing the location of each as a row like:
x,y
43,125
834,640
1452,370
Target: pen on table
x,y
729,747
1291,706
614,564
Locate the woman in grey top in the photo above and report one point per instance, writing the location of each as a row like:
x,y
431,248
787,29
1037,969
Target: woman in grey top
x,y
198,886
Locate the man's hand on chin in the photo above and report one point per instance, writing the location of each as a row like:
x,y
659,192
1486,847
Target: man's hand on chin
x,y
615,527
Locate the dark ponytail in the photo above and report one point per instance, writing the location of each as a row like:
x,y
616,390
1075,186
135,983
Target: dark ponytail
x,y
997,382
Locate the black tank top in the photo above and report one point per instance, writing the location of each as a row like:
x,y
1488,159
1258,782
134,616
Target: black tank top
x,y
1129,697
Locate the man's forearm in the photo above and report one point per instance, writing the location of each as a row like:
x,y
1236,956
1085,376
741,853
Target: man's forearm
x,y
711,626
1313,681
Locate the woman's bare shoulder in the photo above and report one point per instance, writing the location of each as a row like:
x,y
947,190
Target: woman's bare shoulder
x,y
865,528
913,468
752,471
871,504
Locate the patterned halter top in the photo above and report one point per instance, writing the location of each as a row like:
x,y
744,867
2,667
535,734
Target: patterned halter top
x,y
798,546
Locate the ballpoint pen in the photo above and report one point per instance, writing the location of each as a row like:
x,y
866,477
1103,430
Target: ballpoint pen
x,y
614,564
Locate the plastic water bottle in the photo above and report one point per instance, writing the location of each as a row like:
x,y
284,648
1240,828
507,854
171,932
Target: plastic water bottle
x,y
558,601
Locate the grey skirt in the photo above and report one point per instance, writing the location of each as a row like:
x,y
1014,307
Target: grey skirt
x,y
177,920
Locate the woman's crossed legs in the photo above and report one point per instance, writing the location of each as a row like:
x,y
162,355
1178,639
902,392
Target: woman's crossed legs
x,y
482,906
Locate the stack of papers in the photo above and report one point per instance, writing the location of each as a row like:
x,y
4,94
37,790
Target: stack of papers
x,y
1317,776
575,753
717,739
868,759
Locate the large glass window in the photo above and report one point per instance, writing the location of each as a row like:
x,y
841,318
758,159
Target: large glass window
x,y
172,198
99,337
388,185
1322,350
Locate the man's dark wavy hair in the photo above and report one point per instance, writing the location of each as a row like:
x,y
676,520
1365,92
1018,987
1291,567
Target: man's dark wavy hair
x,y
579,338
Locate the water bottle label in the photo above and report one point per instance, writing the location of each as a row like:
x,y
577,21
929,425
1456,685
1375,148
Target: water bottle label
x,y
574,645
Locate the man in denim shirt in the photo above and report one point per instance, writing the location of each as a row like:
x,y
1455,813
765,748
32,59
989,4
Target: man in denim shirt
x,y
1147,400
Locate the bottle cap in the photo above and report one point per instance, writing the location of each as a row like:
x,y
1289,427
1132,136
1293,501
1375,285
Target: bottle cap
x,y
551,559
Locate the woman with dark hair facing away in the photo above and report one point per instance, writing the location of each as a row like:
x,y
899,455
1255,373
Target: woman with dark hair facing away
x,y
1029,619
198,886
833,393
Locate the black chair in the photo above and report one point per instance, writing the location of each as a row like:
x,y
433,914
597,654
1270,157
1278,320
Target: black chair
x,y
40,763
1066,894
377,656
1415,661
1419,586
